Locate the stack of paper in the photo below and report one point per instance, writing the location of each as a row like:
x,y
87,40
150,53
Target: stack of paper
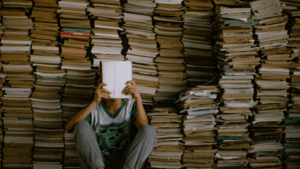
x,y
200,105
168,149
106,41
170,62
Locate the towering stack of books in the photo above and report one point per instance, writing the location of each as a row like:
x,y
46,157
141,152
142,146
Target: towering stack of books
x,y
271,82
142,46
15,51
236,54
168,150
199,106
106,40
197,42
170,62
48,122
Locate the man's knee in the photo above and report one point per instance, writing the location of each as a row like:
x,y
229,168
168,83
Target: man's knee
x,y
81,127
149,132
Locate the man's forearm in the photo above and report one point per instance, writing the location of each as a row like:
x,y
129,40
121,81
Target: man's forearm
x,y
141,117
81,115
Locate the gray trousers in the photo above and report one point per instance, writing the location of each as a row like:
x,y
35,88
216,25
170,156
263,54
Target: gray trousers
x,y
133,157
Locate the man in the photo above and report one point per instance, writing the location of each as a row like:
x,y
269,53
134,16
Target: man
x,y
118,135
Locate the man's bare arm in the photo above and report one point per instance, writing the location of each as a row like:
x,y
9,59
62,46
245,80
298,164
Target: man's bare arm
x,y
82,114
141,117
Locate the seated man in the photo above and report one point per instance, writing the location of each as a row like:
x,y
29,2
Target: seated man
x,y
114,134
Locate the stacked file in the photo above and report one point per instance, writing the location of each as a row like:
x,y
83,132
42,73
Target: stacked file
x,y
106,41
170,62
15,51
2,80
197,42
200,105
168,149
142,46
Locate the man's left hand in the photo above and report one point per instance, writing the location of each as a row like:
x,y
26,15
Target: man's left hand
x,y
132,89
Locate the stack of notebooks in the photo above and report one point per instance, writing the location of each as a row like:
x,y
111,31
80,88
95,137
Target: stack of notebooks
x,y
15,51
142,46
200,105
170,62
168,150
107,44
71,157
271,85
197,42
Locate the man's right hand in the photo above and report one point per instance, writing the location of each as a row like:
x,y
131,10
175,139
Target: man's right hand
x,y
101,93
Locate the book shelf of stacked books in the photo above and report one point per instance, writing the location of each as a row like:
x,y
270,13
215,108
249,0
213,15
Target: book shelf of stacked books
x,y
243,114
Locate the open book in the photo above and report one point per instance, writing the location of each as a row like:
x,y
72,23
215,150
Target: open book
x,y
115,74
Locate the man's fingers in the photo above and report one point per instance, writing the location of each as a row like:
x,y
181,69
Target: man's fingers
x,y
105,91
131,82
101,85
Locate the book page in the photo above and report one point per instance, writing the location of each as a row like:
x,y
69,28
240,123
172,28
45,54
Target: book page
x,y
108,71
123,74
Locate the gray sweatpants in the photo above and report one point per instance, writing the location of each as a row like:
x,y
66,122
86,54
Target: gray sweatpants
x,y
133,157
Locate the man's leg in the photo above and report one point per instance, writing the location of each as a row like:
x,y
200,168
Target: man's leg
x,y
89,152
140,148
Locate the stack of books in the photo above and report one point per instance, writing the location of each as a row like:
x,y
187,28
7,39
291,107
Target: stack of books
x,y
75,27
271,84
46,28
142,46
197,42
15,51
168,150
236,54
170,62
292,134
200,105
106,40
71,157
2,81
49,144
75,31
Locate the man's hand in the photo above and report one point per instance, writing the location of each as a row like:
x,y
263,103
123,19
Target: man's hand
x,y
132,89
101,93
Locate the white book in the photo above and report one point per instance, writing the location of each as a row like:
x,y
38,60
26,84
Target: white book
x,y
115,74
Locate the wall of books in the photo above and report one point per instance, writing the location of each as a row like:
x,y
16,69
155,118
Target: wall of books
x,y
220,79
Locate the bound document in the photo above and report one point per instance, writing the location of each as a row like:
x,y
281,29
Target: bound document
x,y
115,74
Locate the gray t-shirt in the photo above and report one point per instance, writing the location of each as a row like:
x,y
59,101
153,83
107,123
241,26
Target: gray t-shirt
x,y
114,132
